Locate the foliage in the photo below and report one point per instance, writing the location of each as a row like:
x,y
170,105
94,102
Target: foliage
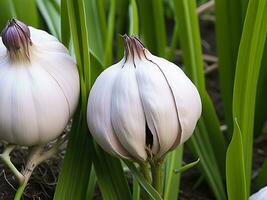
x,y
92,29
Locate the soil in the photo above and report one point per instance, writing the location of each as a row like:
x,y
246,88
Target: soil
x,y
193,186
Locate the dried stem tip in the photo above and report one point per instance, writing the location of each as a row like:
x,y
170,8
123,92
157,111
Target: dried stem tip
x,y
16,38
133,45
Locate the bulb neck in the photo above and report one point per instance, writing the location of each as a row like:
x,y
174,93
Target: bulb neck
x,y
16,38
133,48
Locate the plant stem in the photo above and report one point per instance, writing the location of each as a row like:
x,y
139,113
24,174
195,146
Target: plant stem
x,y
20,190
5,156
33,161
156,170
37,156
145,171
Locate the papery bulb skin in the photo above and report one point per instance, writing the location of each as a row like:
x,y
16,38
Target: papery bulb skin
x,y
260,195
142,107
39,85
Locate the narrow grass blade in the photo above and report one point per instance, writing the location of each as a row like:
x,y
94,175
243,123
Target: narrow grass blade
x,y
7,10
109,35
159,22
134,21
152,25
187,167
249,60
172,180
74,175
229,24
64,22
261,98
235,168
200,145
16,9
95,34
207,142
136,190
91,184
110,176
122,15
262,177
27,12
170,54
51,13
143,183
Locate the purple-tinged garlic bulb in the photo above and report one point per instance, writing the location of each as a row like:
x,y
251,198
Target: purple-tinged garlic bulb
x,y
39,85
142,107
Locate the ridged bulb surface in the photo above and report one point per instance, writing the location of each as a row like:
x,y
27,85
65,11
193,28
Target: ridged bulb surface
x,y
142,107
39,86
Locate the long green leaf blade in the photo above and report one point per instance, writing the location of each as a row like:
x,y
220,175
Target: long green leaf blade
x,y
7,10
172,179
110,176
144,184
74,175
134,20
95,23
207,142
51,14
235,168
75,172
152,25
27,12
262,177
16,9
229,23
247,73
109,36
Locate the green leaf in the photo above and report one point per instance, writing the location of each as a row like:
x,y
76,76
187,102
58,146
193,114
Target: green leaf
x,y
262,177
235,169
152,23
158,13
74,175
109,35
249,60
200,145
172,180
121,19
174,43
50,10
7,11
207,142
229,24
134,21
261,98
91,184
16,9
27,12
136,190
142,181
97,29
110,176
187,167
65,27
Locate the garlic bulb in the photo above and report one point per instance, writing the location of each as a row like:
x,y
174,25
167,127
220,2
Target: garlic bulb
x,y
39,85
143,106
260,195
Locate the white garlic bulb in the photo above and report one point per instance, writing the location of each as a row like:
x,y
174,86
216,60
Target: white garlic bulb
x,y
260,195
39,85
143,106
